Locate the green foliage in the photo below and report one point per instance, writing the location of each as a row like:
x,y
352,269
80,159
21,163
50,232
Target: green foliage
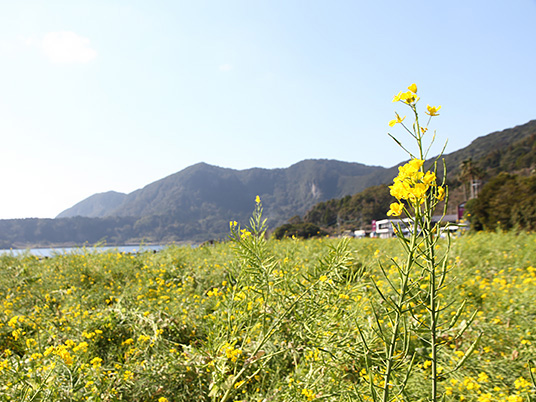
x,y
488,151
516,157
302,230
352,212
507,201
164,319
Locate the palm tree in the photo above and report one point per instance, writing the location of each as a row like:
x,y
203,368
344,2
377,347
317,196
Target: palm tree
x,y
470,176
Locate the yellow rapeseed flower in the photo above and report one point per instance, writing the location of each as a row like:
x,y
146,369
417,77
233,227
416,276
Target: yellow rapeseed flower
x,y
482,377
432,110
96,362
407,97
310,395
418,192
412,184
239,384
62,352
397,120
399,190
521,383
413,88
515,398
231,353
415,164
395,209
13,321
144,338
429,178
440,193
17,334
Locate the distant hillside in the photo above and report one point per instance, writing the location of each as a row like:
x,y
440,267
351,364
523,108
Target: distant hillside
x,y
517,157
198,202
351,212
506,201
204,194
507,151
96,206
33,232
500,142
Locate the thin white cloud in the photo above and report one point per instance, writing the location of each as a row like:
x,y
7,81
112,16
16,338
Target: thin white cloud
x,y
226,67
65,47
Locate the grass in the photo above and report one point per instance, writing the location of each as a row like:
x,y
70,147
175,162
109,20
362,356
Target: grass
x,y
207,324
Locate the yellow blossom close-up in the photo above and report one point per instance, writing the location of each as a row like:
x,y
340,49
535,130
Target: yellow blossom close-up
x,y
411,183
395,209
408,97
397,120
432,110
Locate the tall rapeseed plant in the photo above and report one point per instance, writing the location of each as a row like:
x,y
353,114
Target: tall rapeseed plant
x,y
412,309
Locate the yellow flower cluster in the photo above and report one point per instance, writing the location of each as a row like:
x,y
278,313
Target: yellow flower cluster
x,y
144,338
61,351
310,395
410,97
230,352
412,185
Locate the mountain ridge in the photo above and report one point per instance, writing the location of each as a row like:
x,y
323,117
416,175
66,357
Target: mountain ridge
x,y
197,203
295,186
270,184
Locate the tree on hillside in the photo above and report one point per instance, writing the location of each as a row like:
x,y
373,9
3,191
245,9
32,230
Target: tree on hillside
x,y
351,212
471,177
302,230
507,201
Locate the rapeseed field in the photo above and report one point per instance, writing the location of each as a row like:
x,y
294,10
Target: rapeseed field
x,y
182,325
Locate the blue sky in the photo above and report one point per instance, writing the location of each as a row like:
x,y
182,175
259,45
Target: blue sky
x,y
111,95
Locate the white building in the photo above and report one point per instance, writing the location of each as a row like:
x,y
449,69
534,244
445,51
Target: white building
x,y
385,228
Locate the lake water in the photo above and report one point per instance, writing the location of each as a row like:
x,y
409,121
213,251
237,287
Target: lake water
x,y
50,252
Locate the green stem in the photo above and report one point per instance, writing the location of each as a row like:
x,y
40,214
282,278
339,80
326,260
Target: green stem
x,y
398,314
430,257
431,263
